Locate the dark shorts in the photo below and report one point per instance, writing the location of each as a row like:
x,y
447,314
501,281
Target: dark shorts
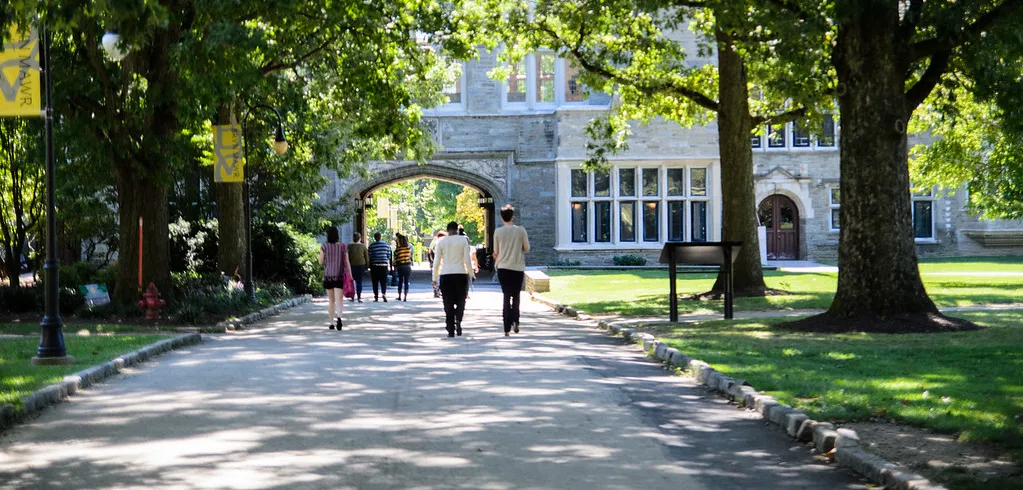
x,y
338,284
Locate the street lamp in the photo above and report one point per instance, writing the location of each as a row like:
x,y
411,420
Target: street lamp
x,y
280,146
51,341
110,43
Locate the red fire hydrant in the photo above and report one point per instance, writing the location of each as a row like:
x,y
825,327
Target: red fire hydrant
x,y
152,303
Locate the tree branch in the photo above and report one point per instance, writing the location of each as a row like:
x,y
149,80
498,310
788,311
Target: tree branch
x,y
780,118
934,45
923,87
270,68
645,87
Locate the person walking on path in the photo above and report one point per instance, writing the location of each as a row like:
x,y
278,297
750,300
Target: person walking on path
x,y
336,270
403,262
510,246
432,254
379,264
452,268
472,254
358,258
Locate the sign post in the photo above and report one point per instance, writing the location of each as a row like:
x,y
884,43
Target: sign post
x,y
722,254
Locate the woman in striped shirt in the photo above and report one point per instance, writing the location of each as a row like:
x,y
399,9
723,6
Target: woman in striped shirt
x,y
403,263
334,258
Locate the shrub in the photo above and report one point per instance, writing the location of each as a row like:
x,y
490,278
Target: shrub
x,y
193,246
33,299
19,300
110,310
564,263
203,295
629,260
281,254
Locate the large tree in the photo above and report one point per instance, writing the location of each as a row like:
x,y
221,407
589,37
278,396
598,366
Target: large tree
x,y
633,48
351,76
889,57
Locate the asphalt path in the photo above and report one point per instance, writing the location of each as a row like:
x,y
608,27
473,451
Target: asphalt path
x,y
391,402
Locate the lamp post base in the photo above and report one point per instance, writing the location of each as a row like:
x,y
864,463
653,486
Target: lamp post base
x,y
53,361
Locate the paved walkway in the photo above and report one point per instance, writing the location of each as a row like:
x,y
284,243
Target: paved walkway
x,y
390,402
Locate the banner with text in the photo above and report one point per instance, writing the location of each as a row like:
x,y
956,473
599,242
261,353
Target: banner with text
x,y
227,148
20,83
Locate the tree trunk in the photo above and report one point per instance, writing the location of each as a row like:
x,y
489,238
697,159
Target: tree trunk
x,y
230,215
878,275
231,224
139,196
738,196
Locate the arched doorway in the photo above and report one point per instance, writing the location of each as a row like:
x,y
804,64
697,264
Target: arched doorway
x,y
781,218
490,189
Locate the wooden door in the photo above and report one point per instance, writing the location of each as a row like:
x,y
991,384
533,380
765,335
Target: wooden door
x,y
781,218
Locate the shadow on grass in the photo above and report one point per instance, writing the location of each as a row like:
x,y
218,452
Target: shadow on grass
x,y
970,383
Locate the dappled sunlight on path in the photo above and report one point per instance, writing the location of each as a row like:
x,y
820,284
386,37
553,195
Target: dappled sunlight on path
x,y
391,402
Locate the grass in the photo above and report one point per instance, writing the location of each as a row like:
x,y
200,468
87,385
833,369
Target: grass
x,y
973,264
18,377
969,383
645,292
85,328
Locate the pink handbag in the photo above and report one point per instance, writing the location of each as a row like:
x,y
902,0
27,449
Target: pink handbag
x,y
347,283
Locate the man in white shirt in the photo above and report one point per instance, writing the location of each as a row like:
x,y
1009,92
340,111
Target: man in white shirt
x,y
452,268
510,245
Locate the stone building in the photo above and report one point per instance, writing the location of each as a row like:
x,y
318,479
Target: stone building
x,y
522,140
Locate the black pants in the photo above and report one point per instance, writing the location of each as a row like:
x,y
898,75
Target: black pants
x,y
379,275
511,286
454,287
404,272
357,272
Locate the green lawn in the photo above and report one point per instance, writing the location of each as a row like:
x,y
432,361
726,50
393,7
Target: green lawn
x,y
89,328
973,264
970,383
18,377
645,292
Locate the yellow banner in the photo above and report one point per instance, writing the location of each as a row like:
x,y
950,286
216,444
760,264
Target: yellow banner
x,y
20,83
227,149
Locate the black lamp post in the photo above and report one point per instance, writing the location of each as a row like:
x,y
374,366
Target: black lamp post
x,y
51,342
280,146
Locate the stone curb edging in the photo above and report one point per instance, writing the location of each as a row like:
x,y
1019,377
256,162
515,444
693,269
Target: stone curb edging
x,y
58,392
825,437
240,323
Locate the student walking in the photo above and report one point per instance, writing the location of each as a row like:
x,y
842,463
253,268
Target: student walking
x,y
358,257
510,246
403,263
452,269
472,254
336,271
432,255
379,264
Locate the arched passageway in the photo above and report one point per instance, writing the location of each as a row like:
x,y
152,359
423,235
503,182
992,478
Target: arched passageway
x,y
490,193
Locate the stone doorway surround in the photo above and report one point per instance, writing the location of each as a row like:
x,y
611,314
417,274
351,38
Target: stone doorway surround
x,y
794,186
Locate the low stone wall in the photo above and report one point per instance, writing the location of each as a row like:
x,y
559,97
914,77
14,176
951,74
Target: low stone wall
x,y
240,323
537,282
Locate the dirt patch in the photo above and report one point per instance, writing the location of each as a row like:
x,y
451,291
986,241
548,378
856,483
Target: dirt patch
x,y
908,323
940,457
